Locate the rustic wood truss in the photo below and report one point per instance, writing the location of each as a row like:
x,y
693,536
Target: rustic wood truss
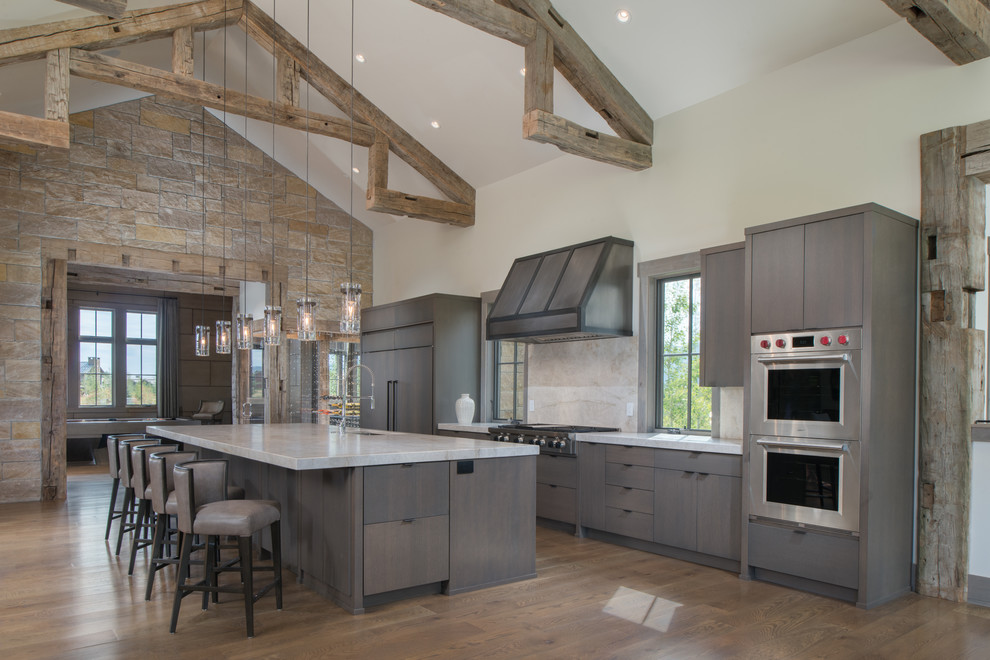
x,y
958,28
550,42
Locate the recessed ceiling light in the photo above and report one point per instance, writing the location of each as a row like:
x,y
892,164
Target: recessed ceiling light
x,y
355,170
522,71
360,57
622,15
435,124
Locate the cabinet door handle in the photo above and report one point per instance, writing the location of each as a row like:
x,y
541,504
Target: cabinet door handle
x,y
395,401
800,531
388,405
627,488
552,485
408,521
687,472
627,511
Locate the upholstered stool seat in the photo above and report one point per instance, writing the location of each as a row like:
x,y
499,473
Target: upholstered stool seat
x,y
145,524
202,509
129,518
114,461
162,496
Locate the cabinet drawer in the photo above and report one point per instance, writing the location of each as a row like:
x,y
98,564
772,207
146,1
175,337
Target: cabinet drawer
x,y
558,470
406,553
729,465
629,523
629,455
414,336
410,490
823,557
633,476
632,499
556,503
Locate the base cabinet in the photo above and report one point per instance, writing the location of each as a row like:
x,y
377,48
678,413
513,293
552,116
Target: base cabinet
x,y
406,553
829,559
556,488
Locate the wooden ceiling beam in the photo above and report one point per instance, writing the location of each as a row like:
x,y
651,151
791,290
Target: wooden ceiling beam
x,y
34,130
958,28
541,126
24,44
423,208
488,17
102,68
57,85
113,8
538,90
264,30
589,75
182,52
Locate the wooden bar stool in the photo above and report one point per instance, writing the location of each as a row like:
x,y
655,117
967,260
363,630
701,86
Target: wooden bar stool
x,y
145,523
200,492
114,462
129,508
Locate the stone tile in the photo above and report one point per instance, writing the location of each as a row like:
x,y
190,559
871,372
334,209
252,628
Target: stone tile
x,y
82,119
152,141
170,169
15,293
111,125
24,274
102,195
12,390
180,219
87,155
138,200
57,190
101,232
172,200
54,158
24,470
27,330
132,164
4,432
23,200
25,430
20,350
77,210
160,235
8,330
27,312
3,272
20,410
20,490
165,121
108,177
181,187
120,216
147,183
49,226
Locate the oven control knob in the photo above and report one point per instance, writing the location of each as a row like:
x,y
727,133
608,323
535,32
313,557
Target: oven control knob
x,y
519,438
540,441
781,343
503,438
559,444
765,344
825,340
843,340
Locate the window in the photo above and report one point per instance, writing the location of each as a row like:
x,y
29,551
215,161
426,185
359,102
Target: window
x,y
681,402
116,349
510,377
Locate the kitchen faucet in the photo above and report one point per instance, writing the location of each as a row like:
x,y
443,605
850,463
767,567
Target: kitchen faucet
x,y
343,396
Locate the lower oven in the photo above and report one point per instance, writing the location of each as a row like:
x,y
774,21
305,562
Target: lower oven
x,y
806,481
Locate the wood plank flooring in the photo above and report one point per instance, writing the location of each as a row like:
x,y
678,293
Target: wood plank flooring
x,y
63,594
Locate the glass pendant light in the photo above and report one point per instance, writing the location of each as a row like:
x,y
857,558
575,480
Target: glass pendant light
x,y
223,325
203,330
243,322
203,341
244,331
350,313
306,318
273,312
223,337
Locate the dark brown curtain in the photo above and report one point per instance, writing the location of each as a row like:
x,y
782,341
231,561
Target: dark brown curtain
x,y
168,357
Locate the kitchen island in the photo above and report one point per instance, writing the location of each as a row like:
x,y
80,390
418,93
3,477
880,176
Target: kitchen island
x,y
374,516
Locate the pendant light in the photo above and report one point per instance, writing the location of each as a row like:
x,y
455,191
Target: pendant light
x,y
273,312
223,324
243,323
306,306
350,312
203,330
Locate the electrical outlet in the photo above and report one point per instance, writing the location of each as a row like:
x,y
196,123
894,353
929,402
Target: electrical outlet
x,y
532,405
629,409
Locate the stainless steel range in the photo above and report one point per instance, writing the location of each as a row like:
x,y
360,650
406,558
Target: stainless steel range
x,y
550,438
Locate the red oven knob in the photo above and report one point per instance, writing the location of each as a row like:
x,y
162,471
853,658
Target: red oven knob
x,y
781,343
765,344
826,340
843,340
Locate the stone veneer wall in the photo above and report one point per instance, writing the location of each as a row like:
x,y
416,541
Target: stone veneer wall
x,y
127,194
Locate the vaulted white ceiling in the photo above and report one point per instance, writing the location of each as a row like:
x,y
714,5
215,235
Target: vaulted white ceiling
x,y
421,66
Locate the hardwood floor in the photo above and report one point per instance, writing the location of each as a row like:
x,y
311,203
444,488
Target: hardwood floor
x,y
63,594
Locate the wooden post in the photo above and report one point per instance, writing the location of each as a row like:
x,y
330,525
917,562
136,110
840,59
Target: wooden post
x,y
952,377
57,85
539,73
378,164
182,51
54,366
287,75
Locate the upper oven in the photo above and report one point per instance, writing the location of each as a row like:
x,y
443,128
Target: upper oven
x,y
807,385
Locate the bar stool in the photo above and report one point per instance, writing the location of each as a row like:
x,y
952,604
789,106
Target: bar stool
x,y
200,489
142,492
160,466
114,462
127,478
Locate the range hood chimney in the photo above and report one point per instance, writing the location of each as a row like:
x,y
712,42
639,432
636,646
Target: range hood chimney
x,y
579,292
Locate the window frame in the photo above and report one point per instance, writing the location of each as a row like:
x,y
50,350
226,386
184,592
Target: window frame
x,y
693,353
486,391
143,305
520,409
650,274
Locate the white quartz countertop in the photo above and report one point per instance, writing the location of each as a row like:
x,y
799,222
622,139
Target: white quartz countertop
x,y
702,443
473,427
317,447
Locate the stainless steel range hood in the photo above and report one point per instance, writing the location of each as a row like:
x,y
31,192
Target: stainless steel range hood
x,y
579,292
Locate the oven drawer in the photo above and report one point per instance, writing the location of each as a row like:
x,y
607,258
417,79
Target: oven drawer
x,y
633,476
629,523
829,558
629,455
632,499
558,470
556,503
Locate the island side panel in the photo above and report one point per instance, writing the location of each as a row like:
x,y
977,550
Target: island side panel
x,y
492,522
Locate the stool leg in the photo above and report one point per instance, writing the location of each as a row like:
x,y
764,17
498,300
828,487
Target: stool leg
x,y
277,562
244,550
125,514
210,575
157,553
186,549
114,487
142,517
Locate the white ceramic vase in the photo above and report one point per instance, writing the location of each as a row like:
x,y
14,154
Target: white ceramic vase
x,y
464,409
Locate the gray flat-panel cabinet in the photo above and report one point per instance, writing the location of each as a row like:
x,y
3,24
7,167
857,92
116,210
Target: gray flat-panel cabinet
x,y
675,510
724,337
719,515
424,353
778,280
833,273
591,485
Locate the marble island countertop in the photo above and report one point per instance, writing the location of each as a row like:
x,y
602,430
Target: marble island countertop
x,y
316,447
701,443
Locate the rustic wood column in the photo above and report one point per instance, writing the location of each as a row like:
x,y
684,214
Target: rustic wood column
x,y
54,365
952,377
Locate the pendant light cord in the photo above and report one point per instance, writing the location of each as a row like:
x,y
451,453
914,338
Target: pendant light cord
x,y
271,201
202,267
350,224
223,211
308,68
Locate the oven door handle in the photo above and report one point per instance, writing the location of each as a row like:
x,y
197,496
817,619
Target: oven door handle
x,y
841,448
842,357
